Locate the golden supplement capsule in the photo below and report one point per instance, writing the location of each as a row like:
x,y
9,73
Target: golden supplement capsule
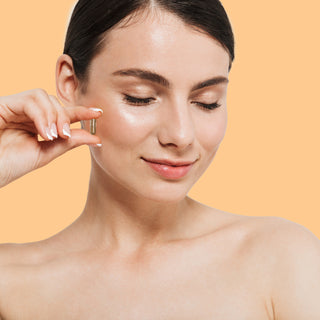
x,y
93,126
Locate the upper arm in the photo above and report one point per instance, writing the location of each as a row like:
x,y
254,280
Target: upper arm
x,y
296,290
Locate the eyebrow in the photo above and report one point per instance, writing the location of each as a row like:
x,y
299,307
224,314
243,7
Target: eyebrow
x,y
158,79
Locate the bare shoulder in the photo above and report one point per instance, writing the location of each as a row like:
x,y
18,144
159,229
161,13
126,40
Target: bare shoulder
x,y
284,240
285,237
277,233
274,241
15,254
295,254
20,267
286,257
297,276
14,257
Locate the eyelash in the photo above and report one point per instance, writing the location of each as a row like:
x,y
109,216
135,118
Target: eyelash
x,y
146,101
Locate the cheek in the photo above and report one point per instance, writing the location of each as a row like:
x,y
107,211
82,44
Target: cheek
x,y
123,133
211,132
123,128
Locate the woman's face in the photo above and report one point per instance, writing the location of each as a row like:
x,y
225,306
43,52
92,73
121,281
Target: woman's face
x,y
155,80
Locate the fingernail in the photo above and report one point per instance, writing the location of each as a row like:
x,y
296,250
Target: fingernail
x,y
97,109
66,130
96,145
54,131
48,133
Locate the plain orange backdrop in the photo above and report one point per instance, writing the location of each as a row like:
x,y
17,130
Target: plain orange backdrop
x,y
268,164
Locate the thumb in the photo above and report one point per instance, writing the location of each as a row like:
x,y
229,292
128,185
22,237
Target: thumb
x,y
53,149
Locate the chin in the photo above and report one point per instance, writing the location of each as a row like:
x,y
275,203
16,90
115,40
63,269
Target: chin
x,y
163,192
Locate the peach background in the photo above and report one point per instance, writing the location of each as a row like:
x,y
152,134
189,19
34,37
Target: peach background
x,y
268,164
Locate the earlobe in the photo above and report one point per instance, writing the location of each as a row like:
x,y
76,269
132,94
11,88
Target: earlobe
x,y
66,80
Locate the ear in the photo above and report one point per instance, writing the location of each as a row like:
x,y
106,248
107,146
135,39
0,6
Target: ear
x,y
66,81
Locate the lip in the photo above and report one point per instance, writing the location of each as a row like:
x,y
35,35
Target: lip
x,y
170,162
170,169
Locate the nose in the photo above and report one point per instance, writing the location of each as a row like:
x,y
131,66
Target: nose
x,y
176,126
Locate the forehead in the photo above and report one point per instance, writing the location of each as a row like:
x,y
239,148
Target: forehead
x,y
161,41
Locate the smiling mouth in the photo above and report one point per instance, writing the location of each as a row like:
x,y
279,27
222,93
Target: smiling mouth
x,y
171,163
169,169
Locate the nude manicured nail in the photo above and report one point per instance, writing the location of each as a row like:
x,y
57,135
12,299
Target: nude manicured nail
x,y
48,133
54,131
66,130
97,109
99,145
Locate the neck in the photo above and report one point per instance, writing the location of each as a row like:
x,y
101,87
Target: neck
x,y
116,217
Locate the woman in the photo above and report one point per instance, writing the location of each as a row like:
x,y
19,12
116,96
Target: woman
x,y
143,249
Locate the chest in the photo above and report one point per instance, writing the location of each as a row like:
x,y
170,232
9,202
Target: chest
x,y
176,290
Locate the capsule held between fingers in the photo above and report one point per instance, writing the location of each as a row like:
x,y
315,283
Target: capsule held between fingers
x,y
93,126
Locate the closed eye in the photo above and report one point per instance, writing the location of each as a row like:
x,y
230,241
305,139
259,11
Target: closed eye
x,y
137,101
206,106
145,101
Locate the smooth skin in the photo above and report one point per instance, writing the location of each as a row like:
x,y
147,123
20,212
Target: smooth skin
x,y
142,249
26,115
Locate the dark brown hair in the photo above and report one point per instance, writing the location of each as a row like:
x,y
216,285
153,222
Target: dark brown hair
x,y
91,19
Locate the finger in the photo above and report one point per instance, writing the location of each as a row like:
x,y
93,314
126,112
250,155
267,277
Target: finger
x,y
33,106
53,149
39,108
63,121
29,127
42,99
83,113
38,116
